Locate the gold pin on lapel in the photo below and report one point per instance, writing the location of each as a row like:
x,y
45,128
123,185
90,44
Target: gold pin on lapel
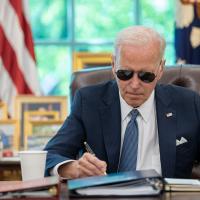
x,y
169,114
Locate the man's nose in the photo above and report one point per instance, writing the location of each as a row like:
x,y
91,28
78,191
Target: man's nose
x,y
135,81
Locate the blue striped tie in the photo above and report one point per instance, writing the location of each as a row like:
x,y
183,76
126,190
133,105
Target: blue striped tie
x,y
128,158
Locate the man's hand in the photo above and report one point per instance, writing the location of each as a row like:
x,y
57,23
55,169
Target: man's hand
x,y
87,165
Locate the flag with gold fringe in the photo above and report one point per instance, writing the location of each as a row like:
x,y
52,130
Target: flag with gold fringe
x,y
187,31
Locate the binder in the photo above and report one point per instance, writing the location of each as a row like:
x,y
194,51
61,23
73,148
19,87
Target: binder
x,y
133,183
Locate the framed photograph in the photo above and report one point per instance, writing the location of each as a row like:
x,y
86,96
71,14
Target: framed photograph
x,y
8,128
40,132
87,59
36,108
3,111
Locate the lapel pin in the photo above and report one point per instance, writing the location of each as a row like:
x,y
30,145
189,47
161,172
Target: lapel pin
x,y
169,114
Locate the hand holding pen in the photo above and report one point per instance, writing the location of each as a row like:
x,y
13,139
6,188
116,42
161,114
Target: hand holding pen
x,y
87,165
89,150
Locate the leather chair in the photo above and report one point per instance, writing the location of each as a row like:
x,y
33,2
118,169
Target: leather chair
x,y
182,75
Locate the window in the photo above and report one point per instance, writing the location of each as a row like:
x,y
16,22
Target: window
x,y
63,26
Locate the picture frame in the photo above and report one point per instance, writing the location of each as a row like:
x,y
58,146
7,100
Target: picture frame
x,y
40,106
40,132
3,111
83,60
8,129
35,116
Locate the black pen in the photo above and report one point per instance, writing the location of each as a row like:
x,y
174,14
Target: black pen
x,y
89,150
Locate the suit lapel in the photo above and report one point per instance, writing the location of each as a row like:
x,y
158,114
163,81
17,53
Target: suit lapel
x,y
110,116
167,127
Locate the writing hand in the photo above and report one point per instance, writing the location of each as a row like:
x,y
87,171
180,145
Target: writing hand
x,y
90,165
87,165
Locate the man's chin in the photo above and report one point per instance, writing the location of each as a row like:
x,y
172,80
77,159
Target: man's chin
x,y
134,100
134,103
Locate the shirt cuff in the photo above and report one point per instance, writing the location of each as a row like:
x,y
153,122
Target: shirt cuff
x,y
54,171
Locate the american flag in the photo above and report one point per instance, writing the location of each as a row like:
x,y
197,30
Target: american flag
x,y
18,71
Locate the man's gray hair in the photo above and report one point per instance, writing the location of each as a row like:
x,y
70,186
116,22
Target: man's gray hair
x,y
139,35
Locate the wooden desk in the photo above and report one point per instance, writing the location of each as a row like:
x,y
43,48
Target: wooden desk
x,y
10,169
164,196
180,196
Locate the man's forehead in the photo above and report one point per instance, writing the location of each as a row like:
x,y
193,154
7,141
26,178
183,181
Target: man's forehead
x,y
150,50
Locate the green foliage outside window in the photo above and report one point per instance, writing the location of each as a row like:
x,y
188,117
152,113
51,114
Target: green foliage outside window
x,y
48,19
100,19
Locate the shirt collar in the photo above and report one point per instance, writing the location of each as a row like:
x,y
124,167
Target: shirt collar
x,y
145,109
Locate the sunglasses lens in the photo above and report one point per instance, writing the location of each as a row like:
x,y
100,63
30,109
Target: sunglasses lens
x,y
124,74
146,77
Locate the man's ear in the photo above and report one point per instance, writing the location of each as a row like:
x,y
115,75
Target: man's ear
x,y
113,63
162,65
161,68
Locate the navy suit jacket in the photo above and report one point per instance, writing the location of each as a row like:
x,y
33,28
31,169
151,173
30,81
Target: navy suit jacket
x,y
96,118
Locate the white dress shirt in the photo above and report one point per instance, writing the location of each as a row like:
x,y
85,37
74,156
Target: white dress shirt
x,y
148,146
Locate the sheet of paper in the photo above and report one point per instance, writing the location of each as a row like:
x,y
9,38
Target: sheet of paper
x,y
176,181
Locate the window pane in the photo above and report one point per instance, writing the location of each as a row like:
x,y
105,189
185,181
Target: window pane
x,y
100,19
169,54
48,19
54,73
160,15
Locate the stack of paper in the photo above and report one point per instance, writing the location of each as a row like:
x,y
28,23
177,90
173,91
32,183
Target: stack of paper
x,y
187,185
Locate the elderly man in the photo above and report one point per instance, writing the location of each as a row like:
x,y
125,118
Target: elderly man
x,y
131,123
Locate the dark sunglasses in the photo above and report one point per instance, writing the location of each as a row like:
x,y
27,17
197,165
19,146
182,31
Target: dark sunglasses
x,y
125,75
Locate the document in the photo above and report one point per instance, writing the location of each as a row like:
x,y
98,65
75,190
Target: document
x,y
187,185
138,183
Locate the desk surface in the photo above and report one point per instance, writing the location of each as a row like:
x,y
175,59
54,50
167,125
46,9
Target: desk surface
x,y
164,196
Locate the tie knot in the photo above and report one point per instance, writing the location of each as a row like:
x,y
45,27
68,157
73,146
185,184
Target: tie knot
x,y
134,113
